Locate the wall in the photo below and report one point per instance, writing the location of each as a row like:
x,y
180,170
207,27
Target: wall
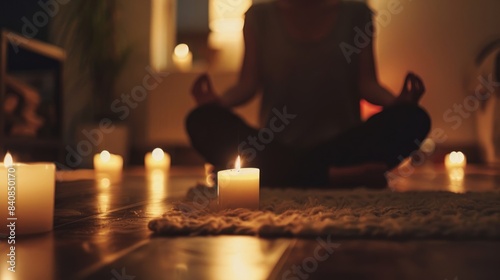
x,y
192,16
135,27
170,103
438,40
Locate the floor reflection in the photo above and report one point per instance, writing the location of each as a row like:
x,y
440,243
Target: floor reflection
x,y
456,176
103,196
34,255
218,258
431,177
241,258
158,182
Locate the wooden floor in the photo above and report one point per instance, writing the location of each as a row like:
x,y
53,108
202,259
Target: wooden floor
x,y
101,232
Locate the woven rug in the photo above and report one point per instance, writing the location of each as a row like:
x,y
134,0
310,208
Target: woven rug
x,y
339,214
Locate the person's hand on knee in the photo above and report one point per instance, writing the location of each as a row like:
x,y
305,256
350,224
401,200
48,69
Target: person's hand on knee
x,y
203,92
413,90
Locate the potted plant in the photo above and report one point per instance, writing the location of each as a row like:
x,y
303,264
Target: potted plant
x,y
89,33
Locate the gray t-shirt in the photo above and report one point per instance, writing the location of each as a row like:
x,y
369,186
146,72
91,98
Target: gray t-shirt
x,y
314,81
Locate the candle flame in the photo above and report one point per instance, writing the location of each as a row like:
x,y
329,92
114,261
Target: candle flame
x,y
7,160
158,154
237,164
181,50
457,157
105,156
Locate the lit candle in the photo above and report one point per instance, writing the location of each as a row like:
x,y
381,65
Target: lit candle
x,y
108,166
227,16
26,197
182,57
455,160
229,50
157,160
239,187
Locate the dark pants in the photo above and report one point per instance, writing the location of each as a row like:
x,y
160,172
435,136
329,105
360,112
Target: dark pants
x,y
387,137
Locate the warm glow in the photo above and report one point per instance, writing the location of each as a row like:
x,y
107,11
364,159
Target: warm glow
x,y
103,201
456,176
428,146
104,182
7,160
237,257
230,48
368,109
158,154
457,157
157,190
237,164
209,175
163,33
105,156
227,16
227,25
181,50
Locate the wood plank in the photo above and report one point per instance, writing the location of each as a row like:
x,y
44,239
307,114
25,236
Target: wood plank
x,y
376,259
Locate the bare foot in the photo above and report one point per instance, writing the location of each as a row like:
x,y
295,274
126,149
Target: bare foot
x,y
369,175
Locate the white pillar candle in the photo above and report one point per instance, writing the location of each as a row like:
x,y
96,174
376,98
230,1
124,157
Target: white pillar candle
x,y
182,58
108,166
163,30
238,188
26,197
455,160
227,16
157,160
229,48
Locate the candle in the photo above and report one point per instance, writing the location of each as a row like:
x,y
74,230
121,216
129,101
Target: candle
x,y
26,197
227,16
163,33
108,166
157,160
239,187
182,57
455,160
229,48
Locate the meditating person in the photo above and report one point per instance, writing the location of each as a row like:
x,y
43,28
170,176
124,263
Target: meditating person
x,y
313,61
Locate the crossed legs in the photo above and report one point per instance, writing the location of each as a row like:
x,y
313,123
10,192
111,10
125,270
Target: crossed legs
x,y
382,141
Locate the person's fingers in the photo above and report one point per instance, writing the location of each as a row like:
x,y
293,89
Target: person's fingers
x,y
413,83
208,85
421,85
198,85
406,86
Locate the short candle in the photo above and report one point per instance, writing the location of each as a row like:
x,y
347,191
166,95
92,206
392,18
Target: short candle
x,y
455,160
27,197
157,160
239,187
182,57
108,166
